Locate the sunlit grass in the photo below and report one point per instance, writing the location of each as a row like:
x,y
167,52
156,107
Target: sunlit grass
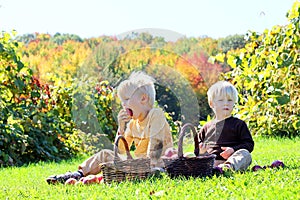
x,y
29,182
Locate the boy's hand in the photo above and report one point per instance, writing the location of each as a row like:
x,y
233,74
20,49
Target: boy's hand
x,y
203,148
123,118
227,152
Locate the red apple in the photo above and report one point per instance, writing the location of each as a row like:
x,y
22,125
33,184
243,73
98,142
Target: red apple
x,y
81,179
256,168
71,181
129,112
99,178
277,164
90,179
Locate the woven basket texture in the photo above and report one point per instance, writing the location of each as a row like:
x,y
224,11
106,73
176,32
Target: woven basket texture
x,y
198,166
130,169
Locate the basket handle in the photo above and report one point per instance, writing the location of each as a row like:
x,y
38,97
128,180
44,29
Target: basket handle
x,y
126,148
181,135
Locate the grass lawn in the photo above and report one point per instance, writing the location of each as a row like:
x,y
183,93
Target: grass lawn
x,y
29,182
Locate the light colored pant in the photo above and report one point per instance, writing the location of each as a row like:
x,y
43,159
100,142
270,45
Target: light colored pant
x,y
91,166
239,160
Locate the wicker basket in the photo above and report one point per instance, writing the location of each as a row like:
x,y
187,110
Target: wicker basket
x,y
130,169
198,166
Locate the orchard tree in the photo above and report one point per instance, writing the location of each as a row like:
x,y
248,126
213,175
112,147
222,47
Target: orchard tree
x,y
267,73
32,126
232,42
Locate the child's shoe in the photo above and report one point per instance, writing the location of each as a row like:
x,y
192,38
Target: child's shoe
x,y
225,165
157,172
217,171
226,168
62,178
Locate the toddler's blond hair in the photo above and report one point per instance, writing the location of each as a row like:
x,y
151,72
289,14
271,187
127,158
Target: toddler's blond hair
x,y
138,81
222,88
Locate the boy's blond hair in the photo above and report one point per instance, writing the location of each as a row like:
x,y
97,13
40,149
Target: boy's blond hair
x,y
138,81
222,88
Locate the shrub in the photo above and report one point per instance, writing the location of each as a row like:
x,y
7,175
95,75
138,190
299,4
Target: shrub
x,y
33,122
266,72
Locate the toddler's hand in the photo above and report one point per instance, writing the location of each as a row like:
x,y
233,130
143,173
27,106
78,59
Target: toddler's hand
x,y
170,153
123,118
227,152
203,148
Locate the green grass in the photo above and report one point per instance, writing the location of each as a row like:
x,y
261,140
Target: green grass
x,y
29,182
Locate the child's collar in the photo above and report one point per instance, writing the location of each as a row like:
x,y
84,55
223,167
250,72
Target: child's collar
x,y
219,120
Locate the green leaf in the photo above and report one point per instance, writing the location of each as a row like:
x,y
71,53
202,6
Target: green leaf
x,y
35,94
220,57
283,99
1,48
19,83
54,149
231,61
20,65
296,125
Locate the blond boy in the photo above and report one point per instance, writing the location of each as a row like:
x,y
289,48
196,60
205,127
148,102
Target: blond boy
x,y
226,136
141,124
